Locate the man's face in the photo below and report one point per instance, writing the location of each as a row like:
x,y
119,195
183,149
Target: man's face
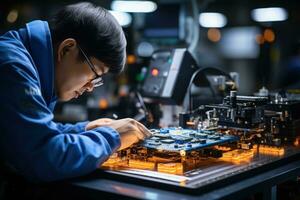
x,y
72,76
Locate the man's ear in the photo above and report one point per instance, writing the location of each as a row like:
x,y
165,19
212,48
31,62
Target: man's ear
x,y
65,47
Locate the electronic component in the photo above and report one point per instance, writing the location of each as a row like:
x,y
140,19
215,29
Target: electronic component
x,y
169,76
242,131
176,139
240,111
283,119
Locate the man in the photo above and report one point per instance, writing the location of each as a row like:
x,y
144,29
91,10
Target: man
x,y
42,63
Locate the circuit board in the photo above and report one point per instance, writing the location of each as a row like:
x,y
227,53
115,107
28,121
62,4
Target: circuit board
x,y
176,139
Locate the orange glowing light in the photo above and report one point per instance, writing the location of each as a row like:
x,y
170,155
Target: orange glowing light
x,y
269,35
297,141
111,162
190,123
271,150
131,59
214,34
154,72
103,103
222,148
138,164
237,156
170,168
114,161
260,39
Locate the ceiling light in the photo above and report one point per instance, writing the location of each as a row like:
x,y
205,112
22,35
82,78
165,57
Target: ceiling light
x,y
134,6
269,14
212,20
123,18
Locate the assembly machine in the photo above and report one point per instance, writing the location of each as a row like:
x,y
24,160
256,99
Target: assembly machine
x,y
215,143
213,146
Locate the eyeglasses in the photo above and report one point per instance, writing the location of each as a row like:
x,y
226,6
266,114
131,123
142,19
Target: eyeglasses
x,y
98,80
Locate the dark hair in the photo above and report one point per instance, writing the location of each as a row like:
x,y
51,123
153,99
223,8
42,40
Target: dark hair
x,y
97,32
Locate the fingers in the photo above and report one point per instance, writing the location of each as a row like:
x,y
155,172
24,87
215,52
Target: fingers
x,y
146,131
126,125
90,126
143,132
98,123
107,120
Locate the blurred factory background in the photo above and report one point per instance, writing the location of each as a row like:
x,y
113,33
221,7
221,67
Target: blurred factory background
x,y
257,39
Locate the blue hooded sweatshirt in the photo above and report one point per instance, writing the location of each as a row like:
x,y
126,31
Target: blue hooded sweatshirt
x,y
30,141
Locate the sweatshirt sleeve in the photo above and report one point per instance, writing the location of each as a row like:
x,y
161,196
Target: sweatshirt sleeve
x,y
35,145
72,128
